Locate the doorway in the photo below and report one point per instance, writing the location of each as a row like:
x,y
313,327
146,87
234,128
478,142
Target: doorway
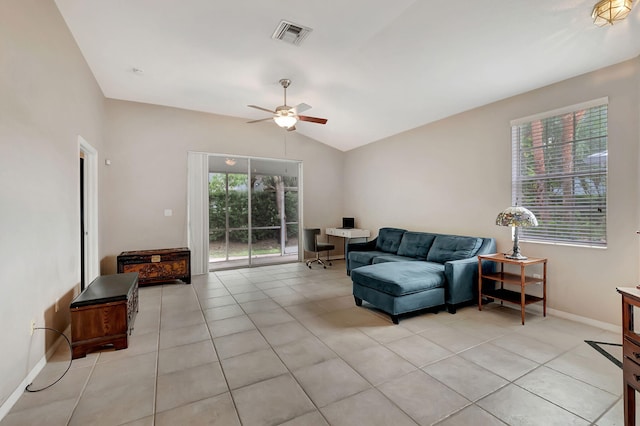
x,y
88,195
254,211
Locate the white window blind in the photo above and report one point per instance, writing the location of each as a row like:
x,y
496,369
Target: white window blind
x,y
559,172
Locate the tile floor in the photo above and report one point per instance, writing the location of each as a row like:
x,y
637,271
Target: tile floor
x,y
287,345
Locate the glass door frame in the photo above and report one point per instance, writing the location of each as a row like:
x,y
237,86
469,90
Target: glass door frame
x,y
252,171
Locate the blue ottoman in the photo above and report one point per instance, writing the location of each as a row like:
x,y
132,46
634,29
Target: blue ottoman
x,y
400,287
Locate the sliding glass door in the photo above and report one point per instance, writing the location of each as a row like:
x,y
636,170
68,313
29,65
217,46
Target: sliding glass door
x,y
253,211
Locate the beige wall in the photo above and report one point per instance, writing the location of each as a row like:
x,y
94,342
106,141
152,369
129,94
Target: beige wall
x,y
48,97
148,146
455,176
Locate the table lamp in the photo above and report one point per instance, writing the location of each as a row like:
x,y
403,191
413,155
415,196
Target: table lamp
x,y
516,216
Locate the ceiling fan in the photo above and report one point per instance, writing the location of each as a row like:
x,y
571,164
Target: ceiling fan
x,y
286,116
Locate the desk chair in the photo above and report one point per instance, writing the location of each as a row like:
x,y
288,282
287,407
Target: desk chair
x,y
311,244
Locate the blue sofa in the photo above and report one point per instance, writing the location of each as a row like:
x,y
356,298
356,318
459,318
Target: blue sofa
x,y
402,271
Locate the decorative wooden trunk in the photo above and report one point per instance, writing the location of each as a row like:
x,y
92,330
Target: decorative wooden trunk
x,y
103,313
157,266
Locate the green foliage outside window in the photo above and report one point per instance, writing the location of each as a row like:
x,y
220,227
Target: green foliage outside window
x,y
560,174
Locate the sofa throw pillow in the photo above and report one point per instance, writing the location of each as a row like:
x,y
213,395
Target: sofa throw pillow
x,y
415,244
389,239
452,247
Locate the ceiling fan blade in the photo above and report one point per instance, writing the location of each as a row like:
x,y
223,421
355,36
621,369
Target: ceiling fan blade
x,y
312,119
301,107
261,109
258,121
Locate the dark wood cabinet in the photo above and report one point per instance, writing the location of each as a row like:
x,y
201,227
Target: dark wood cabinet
x,y
103,314
157,266
631,353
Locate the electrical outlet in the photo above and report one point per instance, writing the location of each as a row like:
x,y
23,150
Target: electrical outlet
x,y
32,327
57,306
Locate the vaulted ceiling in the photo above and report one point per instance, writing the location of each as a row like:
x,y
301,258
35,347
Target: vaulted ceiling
x,y
374,68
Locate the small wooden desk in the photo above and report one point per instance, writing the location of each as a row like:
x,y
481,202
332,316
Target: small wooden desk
x,y
348,234
631,353
522,279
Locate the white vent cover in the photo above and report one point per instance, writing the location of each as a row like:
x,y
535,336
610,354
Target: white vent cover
x,y
291,33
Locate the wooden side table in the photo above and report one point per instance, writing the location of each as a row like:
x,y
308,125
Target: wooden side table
x,y
521,279
631,353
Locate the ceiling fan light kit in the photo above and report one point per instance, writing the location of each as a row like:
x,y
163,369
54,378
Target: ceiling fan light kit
x,y
286,116
610,11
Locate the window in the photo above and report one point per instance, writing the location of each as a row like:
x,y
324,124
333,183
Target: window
x,y
559,172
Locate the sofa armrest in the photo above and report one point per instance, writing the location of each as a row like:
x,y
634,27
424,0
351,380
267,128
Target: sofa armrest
x,y
462,280
366,246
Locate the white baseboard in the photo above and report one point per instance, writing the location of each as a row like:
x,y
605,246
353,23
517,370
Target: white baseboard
x,y
13,398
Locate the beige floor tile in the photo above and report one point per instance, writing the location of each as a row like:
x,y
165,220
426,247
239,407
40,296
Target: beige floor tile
x,y
386,333
189,385
53,413
145,421
500,361
573,395
346,341
218,410
280,334
227,326
304,352
186,356
423,398
587,365
378,364
183,335
121,371
241,288
472,415
216,302
239,343
178,319
515,406
615,415
212,293
528,347
310,419
259,306
133,401
450,338
366,408
303,310
223,312
468,379
290,299
69,387
272,317
418,350
250,296
330,381
271,402
138,345
243,370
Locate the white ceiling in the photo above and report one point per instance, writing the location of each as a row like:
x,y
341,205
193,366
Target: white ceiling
x,y
374,68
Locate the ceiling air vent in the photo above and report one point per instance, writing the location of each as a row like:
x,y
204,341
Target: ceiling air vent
x,y
291,33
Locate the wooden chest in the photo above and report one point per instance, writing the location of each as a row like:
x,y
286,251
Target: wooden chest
x,y
157,266
103,314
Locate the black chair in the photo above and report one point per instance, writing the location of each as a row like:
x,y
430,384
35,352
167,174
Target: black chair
x,y
311,244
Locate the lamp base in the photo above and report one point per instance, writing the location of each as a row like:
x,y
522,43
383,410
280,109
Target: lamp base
x,y
516,256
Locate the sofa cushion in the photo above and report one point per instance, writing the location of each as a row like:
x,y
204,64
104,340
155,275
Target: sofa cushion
x,y
415,244
389,239
452,247
400,278
386,257
364,257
